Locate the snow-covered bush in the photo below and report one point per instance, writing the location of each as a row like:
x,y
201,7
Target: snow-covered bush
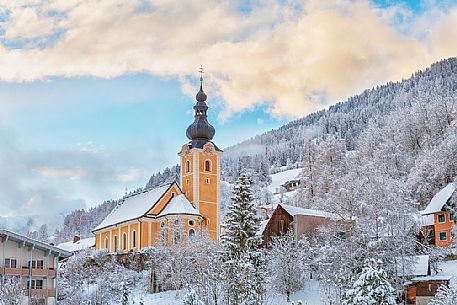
x,y
372,287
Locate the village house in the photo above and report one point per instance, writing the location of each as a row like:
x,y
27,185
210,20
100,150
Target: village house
x,y
421,290
303,222
291,185
173,212
33,264
438,217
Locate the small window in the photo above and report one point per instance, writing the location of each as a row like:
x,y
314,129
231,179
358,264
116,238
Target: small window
x,y
162,224
187,166
106,242
10,263
177,237
124,241
177,222
191,223
187,181
173,194
115,243
207,180
208,221
443,236
207,165
40,264
134,239
441,218
191,233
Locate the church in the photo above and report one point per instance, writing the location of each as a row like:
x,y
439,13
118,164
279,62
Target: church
x,y
172,213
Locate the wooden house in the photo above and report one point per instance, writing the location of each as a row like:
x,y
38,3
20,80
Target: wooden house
x,y
421,290
303,222
440,216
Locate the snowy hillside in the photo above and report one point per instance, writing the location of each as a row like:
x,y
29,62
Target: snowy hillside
x,y
280,178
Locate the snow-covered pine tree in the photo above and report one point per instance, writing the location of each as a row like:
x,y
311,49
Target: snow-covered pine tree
x,y
445,295
243,269
191,298
372,287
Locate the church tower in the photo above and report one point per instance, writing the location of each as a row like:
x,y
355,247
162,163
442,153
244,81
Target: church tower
x,y
200,167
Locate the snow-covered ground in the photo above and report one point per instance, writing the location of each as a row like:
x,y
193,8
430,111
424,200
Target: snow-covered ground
x,y
278,179
309,295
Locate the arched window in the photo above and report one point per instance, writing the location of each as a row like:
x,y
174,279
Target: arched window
x,y
187,166
191,233
207,165
106,242
134,239
124,241
191,222
115,243
177,237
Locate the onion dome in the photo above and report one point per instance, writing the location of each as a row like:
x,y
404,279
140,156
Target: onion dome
x,y
200,131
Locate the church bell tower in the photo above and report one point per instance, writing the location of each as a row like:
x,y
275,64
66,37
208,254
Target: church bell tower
x,y
200,166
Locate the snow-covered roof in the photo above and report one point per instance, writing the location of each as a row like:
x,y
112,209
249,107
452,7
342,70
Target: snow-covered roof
x,y
417,265
79,245
440,199
262,226
431,278
134,206
179,205
294,211
37,244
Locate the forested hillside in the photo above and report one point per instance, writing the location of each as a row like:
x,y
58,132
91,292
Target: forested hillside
x,y
390,147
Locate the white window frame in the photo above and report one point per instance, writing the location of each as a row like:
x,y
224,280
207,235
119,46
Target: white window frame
x,y
438,218
445,234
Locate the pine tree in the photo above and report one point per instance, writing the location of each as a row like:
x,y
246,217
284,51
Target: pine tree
x,y
372,287
243,263
191,298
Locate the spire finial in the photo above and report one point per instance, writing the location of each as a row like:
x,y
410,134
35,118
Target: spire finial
x,y
201,75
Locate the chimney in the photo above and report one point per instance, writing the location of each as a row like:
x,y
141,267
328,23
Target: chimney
x,y
76,238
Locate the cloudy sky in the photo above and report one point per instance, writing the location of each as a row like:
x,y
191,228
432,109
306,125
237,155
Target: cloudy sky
x,y
95,96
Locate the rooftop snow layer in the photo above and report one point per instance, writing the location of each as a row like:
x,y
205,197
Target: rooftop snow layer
x,y
134,206
179,205
262,226
440,199
279,179
417,265
79,245
294,211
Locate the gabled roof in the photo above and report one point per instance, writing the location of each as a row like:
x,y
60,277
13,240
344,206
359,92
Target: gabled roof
x,y
35,243
440,199
294,211
179,205
134,206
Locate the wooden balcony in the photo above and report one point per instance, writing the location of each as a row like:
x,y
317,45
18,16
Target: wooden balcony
x,y
43,292
25,271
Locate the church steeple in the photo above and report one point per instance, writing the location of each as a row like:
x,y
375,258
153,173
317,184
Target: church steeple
x,y
200,131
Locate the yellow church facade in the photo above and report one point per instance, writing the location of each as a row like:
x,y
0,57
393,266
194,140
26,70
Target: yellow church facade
x,y
172,213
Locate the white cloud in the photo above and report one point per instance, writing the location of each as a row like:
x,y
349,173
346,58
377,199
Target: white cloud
x,y
291,55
